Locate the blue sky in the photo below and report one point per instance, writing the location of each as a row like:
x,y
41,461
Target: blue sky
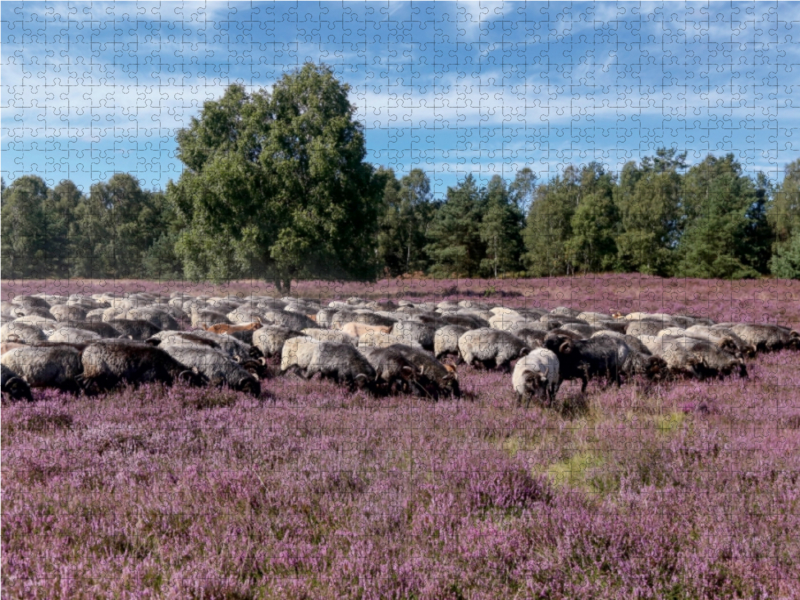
x,y
91,89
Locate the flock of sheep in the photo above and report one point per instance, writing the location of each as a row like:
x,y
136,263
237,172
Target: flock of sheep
x,y
95,343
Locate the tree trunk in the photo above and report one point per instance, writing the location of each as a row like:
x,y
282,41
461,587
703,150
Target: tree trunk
x,y
282,285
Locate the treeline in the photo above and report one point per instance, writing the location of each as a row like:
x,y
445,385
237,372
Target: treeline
x,y
276,187
657,217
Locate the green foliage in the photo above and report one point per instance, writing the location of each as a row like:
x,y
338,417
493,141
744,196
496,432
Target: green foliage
x,y
278,184
648,199
26,227
404,217
500,230
594,223
549,225
717,199
454,241
783,216
786,261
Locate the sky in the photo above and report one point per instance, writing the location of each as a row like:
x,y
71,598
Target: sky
x,y
93,89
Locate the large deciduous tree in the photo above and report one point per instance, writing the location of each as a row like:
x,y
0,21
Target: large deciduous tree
x,y
648,198
276,185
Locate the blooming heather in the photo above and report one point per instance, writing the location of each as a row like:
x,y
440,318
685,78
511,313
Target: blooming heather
x,y
679,490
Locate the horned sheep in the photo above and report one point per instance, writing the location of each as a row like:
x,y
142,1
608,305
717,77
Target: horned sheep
x,y
536,375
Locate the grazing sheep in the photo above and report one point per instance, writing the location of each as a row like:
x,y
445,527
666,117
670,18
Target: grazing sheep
x,y
502,310
330,335
66,312
652,367
325,317
180,338
614,325
531,325
643,327
26,301
536,374
675,351
505,321
594,318
415,331
157,316
392,370
290,320
715,360
73,335
434,377
13,386
585,331
634,343
46,366
709,359
206,317
533,338
767,338
226,328
491,347
673,331
565,311
378,339
37,321
296,354
358,329
229,345
271,339
583,359
216,366
445,340
104,330
341,317
138,330
340,362
106,363
719,335
21,332
370,318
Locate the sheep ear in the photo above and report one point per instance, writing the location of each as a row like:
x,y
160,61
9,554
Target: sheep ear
x,y
450,368
195,370
524,351
407,372
237,358
566,347
422,370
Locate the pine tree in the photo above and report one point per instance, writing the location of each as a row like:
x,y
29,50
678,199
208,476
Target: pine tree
x,y
455,246
500,230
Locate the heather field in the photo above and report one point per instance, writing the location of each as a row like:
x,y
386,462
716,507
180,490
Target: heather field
x,y
678,490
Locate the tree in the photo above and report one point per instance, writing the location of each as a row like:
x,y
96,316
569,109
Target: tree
x,y
648,199
717,198
26,249
592,247
61,204
401,237
785,263
455,246
548,225
500,230
783,215
522,189
278,183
